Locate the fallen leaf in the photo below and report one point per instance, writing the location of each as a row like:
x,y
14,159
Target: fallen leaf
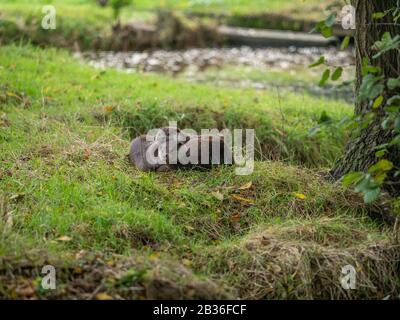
x,y
186,262
154,256
86,153
300,196
103,296
26,291
235,217
17,196
64,238
189,228
9,219
246,186
241,199
108,108
218,195
78,270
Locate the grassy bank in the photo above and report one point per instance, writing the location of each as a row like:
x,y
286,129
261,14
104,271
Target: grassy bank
x,y
70,198
85,25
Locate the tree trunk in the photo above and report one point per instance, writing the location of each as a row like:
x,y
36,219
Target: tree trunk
x,y
359,153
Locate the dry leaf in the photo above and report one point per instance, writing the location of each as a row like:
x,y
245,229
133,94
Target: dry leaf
x,y
241,199
235,217
64,238
300,196
189,228
86,153
108,108
9,219
17,196
154,256
246,186
218,195
186,262
103,296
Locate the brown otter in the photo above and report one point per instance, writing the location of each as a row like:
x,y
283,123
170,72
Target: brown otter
x,y
169,148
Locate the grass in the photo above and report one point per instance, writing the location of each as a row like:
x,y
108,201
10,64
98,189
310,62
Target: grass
x,y
70,198
87,25
222,6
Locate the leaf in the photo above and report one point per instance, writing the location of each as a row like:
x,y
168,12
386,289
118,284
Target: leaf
x,y
378,15
154,256
300,196
327,32
218,195
64,238
386,44
325,77
370,88
320,61
393,83
337,73
393,99
235,217
246,186
186,262
367,68
345,43
103,296
397,124
371,195
330,21
380,153
383,165
109,108
241,199
378,102
352,178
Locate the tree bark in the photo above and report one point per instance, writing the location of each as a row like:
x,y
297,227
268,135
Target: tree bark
x,y
359,153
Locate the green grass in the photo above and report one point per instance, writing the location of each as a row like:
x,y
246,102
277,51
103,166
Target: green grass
x,y
70,198
88,25
219,6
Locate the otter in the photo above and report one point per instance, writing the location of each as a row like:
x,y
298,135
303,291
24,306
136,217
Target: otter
x,y
169,148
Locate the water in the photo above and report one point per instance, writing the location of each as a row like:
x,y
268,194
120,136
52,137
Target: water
x,y
193,65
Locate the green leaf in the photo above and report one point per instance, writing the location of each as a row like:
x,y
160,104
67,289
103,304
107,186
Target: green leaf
x,y
370,88
337,74
327,32
393,83
393,99
383,165
378,102
386,44
325,77
380,153
330,21
397,124
365,184
379,15
352,178
320,61
345,43
372,195
367,68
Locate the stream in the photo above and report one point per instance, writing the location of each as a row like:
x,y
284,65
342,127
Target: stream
x,y
288,67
